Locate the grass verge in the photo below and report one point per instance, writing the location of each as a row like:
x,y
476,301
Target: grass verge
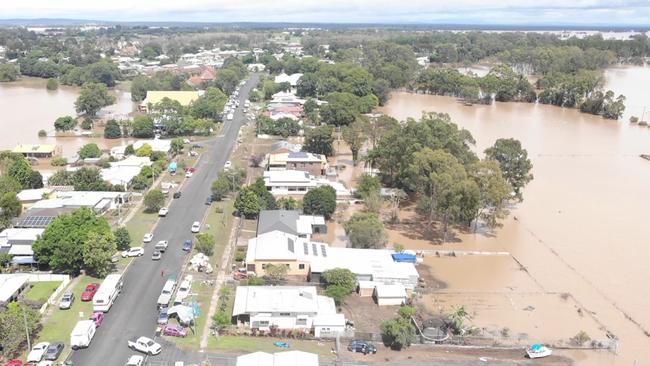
x,y
60,323
265,344
202,297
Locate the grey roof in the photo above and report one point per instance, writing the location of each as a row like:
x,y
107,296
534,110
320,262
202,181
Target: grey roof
x,y
284,145
298,155
282,220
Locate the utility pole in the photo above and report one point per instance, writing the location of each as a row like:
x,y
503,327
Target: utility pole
x,y
29,343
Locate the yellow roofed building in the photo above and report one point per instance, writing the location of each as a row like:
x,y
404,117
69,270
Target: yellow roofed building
x,y
185,98
36,151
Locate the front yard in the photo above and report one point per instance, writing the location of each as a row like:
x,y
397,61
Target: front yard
x,y
41,291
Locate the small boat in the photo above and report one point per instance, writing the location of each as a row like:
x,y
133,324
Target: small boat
x,y
645,156
538,350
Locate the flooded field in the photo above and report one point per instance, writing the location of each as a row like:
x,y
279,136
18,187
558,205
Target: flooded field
x,y
580,228
28,107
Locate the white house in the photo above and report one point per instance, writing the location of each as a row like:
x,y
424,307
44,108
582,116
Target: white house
x,y
291,79
390,294
256,67
289,358
29,196
18,241
295,182
287,308
12,285
291,222
99,201
310,259
121,172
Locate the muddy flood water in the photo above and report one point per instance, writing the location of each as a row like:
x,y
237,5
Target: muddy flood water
x,y
581,228
27,107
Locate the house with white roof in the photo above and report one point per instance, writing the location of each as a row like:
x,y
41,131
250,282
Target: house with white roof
x,y
309,259
121,172
12,285
157,145
314,164
291,79
18,241
287,308
390,294
29,196
289,358
295,182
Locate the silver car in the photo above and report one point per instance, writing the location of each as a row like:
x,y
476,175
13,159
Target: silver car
x,y
66,301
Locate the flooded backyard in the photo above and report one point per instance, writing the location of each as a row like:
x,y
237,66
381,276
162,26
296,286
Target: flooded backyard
x,y
28,107
579,230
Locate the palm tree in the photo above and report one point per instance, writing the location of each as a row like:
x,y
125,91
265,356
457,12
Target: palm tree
x,y
457,319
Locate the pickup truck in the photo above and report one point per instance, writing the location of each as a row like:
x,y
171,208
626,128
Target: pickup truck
x,y
144,345
161,246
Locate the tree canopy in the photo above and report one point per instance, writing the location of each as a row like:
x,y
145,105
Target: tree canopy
x,y
92,98
320,201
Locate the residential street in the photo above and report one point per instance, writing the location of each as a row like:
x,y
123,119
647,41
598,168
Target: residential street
x,y
134,313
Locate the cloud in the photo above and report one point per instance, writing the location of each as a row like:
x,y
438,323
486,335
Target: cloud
x,y
341,11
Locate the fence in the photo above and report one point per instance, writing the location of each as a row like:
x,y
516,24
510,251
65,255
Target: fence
x,y
49,277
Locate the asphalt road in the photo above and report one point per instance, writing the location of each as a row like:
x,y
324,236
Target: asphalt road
x,y
134,314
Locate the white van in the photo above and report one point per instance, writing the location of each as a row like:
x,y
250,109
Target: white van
x,y
82,334
230,116
166,293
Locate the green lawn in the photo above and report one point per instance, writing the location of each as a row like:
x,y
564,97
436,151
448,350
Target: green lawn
x,y
140,224
219,224
59,325
41,291
265,344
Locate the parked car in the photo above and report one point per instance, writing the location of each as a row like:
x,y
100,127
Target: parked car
x,y
133,252
174,330
82,334
54,350
116,258
188,174
190,169
144,345
14,363
177,194
148,237
163,212
227,165
37,352
161,246
208,201
362,346
155,255
89,291
135,360
196,227
163,317
98,318
66,301
187,245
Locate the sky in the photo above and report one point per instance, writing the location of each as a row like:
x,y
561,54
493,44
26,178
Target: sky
x,y
507,12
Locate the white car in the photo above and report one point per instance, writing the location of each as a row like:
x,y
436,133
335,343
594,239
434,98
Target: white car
x,y
133,252
227,165
145,345
46,363
135,360
163,212
196,227
148,237
161,245
37,352
188,174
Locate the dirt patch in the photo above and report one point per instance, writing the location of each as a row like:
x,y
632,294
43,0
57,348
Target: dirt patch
x,y
367,315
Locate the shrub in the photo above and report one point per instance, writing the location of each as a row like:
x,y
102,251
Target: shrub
x,y
52,84
42,133
58,161
154,200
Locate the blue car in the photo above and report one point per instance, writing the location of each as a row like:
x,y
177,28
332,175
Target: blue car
x,y
187,245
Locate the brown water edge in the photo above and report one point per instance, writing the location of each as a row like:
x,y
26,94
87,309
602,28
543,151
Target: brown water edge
x,y
579,229
26,107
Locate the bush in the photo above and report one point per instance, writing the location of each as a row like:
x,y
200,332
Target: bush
x,y
90,151
58,161
154,200
397,333
87,124
320,201
122,238
112,130
341,277
205,243
338,293
65,123
42,133
52,84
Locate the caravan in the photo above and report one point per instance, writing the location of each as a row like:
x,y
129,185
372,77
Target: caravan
x,y
107,293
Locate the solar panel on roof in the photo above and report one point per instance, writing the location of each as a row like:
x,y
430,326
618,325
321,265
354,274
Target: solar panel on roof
x,y
36,221
313,248
323,250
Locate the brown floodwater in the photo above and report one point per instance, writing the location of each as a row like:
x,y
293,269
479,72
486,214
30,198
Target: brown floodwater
x,y
581,226
27,107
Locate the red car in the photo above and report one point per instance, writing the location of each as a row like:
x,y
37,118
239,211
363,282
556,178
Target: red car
x,y
89,292
14,363
190,169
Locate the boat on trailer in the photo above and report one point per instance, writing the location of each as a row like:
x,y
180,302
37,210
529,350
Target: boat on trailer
x,y
538,350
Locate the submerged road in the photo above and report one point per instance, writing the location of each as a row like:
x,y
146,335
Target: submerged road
x,y
134,313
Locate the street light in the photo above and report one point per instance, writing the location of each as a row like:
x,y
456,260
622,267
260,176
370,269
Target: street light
x,y
29,343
